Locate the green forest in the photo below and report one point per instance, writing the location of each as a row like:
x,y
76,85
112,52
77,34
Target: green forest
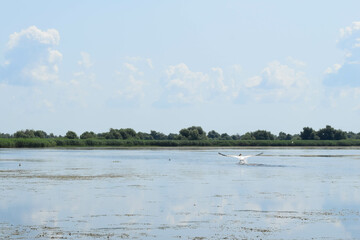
x,y
191,136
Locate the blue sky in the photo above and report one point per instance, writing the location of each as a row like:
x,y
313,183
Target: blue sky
x,y
231,66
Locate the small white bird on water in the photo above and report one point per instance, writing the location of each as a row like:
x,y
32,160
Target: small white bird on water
x,y
242,159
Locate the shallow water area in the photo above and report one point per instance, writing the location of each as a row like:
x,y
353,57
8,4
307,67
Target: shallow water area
x,y
179,194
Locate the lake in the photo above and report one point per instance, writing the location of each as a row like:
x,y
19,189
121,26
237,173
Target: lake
x,y
179,194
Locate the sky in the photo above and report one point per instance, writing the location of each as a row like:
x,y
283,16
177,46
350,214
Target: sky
x,y
228,66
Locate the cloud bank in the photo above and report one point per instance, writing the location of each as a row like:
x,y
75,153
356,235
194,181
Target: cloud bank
x,y
31,57
346,74
48,37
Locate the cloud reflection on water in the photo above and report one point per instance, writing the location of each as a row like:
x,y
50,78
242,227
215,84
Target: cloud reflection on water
x,y
281,194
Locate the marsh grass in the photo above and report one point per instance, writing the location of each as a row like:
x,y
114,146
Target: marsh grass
x,y
64,142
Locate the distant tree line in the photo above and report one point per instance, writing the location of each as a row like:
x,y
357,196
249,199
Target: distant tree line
x,y
327,133
193,133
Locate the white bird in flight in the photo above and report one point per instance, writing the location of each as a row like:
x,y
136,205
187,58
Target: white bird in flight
x,y
242,159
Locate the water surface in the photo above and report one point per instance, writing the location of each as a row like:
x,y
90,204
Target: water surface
x,y
179,194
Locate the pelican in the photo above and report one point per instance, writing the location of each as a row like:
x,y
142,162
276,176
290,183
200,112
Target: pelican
x,y
242,159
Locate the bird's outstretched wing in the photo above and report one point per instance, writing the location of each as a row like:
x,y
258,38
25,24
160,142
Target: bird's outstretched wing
x,y
238,156
233,156
222,154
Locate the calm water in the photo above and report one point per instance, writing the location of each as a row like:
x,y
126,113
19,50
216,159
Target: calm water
x,y
179,194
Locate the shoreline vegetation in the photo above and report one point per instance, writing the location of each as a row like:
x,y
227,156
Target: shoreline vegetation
x,y
187,137
104,143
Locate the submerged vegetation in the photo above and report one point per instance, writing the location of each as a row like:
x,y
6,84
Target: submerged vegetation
x,y
192,136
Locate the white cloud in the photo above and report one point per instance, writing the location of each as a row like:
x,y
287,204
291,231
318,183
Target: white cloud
x,y
180,75
85,73
357,43
149,62
278,82
237,68
49,37
133,89
46,69
348,31
353,93
41,73
75,82
334,69
131,85
280,75
78,74
85,60
350,37
347,73
140,60
253,81
81,89
130,67
296,62
135,83
344,97
186,86
235,80
348,54
219,82
28,57
54,56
